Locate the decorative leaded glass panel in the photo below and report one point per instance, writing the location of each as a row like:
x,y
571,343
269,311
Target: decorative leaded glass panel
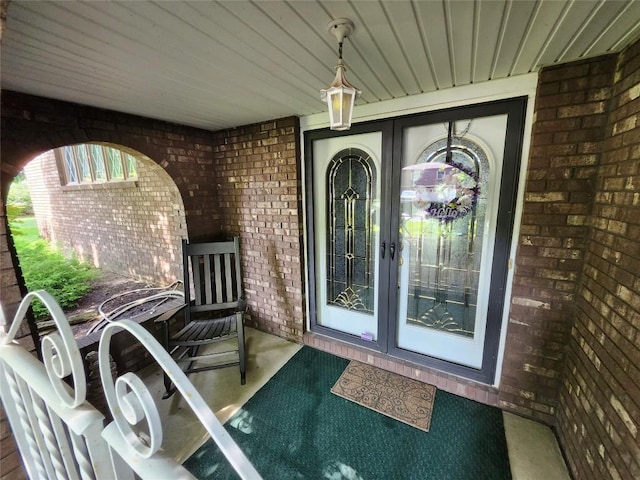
x,y
97,162
70,165
82,157
350,258
443,222
114,163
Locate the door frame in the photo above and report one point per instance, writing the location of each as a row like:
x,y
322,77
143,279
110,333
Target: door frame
x,y
516,108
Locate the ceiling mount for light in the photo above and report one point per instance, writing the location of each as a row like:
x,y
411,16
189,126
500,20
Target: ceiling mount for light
x,y
340,95
341,28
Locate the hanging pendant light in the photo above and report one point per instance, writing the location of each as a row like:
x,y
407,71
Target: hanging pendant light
x,y
340,95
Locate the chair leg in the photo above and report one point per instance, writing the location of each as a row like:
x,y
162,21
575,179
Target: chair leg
x,y
193,351
168,384
169,388
241,351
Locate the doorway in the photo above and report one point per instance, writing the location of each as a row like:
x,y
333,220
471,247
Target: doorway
x,y
410,223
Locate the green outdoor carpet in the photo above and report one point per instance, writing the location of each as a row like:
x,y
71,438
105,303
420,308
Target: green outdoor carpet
x,y
294,427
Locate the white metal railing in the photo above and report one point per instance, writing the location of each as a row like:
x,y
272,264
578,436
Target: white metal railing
x,y
61,436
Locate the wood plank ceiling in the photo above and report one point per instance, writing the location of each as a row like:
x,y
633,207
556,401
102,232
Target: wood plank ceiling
x,y
227,63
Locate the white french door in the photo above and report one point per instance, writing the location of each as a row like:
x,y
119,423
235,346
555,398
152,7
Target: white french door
x,y
411,223
347,233
447,236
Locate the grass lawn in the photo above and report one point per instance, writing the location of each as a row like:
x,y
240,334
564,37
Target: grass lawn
x,y
25,230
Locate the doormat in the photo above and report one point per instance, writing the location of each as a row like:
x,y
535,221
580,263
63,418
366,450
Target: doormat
x,y
401,398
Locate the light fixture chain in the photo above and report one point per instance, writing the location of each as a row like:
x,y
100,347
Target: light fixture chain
x,y
452,126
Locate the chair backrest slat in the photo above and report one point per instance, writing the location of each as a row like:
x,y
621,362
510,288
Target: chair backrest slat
x,y
197,283
229,278
215,275
218,280
208,297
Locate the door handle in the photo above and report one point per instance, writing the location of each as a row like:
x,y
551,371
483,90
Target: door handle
x,y
383,247
392,250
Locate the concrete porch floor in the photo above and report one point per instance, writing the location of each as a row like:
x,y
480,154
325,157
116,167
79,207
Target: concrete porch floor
x,y
533,449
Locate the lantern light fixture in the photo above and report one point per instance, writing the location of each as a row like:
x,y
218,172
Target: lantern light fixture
x,y
340,95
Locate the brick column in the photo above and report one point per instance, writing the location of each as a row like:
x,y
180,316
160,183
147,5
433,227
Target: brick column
x,y
599,408
571,113
260,191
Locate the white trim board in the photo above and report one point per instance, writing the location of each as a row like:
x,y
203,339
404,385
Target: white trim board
x,y
440,99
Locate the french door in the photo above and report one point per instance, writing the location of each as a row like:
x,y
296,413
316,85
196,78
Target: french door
x,y
411,223
348,192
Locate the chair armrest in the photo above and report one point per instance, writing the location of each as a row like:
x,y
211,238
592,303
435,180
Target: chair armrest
x,y
242,305
169,314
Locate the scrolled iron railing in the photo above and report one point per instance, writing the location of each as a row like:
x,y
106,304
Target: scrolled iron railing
x,y
60,435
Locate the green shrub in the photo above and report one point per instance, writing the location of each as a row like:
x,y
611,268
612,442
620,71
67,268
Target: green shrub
x,y
26,232
14,212
19,194
44,267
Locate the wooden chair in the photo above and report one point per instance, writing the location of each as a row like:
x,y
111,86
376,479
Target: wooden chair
x,y
212,313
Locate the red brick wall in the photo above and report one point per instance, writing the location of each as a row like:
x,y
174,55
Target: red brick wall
x,y
144,218
256,171
599,411
570,117
259,183
33,125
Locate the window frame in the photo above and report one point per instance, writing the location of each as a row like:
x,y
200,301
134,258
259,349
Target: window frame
x,y
90,162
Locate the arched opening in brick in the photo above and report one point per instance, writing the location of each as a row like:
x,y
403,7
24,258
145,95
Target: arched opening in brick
x,y
115,208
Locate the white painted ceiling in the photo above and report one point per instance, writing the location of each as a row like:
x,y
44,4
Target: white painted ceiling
x,y
228,63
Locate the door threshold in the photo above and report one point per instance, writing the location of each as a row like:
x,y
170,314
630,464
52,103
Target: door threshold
x,y
454,384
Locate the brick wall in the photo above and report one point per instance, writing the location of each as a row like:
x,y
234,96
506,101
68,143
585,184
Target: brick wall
x,y
253,190
259,183
33,125
254,185
570,115
144,218
599,411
